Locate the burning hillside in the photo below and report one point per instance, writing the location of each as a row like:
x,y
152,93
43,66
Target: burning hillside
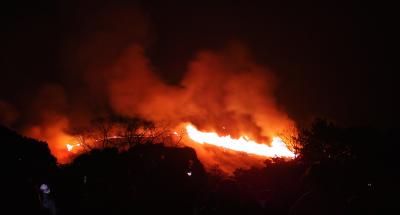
x,y
224,92
79,61
111,70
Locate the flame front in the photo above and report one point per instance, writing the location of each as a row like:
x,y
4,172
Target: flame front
x,y
71,147
277,149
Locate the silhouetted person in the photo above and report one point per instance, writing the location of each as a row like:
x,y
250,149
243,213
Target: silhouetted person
x,y
323,196
46,199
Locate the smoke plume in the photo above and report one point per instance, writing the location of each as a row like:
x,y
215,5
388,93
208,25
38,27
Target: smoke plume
x,y
223,91
105,69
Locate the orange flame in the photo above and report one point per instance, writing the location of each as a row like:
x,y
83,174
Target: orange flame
x,y
277,149
71,147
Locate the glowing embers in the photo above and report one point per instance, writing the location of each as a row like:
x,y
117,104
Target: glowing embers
x,y
277,149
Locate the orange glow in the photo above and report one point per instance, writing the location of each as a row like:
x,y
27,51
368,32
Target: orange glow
x,y
277,149
70,147
56,137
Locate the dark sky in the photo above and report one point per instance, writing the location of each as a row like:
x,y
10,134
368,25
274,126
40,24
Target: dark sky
x,y
331,59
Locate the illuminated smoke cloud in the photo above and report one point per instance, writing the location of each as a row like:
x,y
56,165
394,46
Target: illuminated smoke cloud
x,y
106,70
223,91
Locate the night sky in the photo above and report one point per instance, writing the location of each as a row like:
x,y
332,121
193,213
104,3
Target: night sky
x,y
332,59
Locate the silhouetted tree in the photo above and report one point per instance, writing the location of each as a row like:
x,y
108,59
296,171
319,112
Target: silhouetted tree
x,y
85,137
324,141
124,132
103,127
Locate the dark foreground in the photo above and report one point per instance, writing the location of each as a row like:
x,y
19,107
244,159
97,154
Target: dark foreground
x,y
339,171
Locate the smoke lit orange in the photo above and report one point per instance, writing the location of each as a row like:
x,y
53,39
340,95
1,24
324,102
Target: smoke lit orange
x,y
277,149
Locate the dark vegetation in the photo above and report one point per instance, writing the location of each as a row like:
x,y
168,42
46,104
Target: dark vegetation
x,y
338,171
